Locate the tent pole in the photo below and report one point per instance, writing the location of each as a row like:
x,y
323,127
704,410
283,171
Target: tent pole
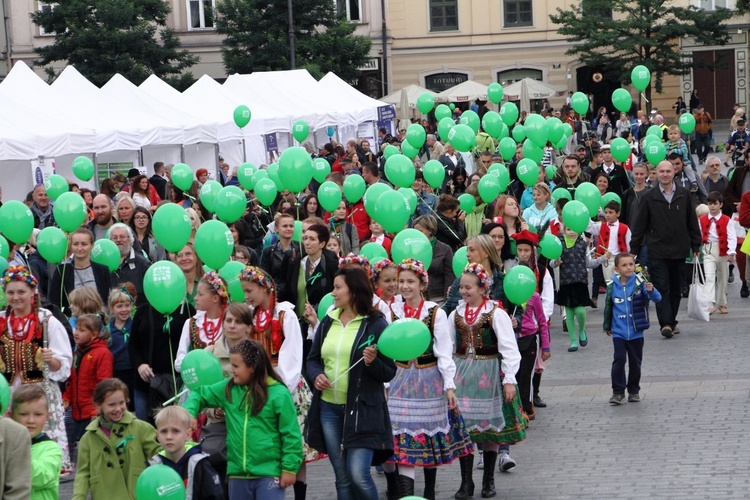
x,y
384,41
140,156
292,49
244,151
182,153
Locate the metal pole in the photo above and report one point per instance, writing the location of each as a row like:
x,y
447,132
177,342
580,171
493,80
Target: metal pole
x,y
384,40
292,51
6,31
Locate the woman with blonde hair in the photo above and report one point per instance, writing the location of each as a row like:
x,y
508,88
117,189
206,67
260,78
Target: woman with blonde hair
x,y
124,207
195,220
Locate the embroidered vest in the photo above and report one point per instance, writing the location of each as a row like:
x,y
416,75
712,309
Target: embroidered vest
x,y
20,358
478,337
603,244
428,358
195,338
721,232
271,343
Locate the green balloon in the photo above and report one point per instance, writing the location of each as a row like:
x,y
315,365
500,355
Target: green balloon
x,y
687,123
371,196
300,130
655,152
532,151
182,176
580,103
576,216
208,193
655,131
230,204
400,171
425,102
407,150
354,188
489,188
470,118
509,113
69,211
560,145
519,284
258,175
518,133
444,127
537,130
325,303
201,368
390,150
5,247
442,111
495,95
231,273
172,227
297,235
374,250
607,197
241,116
3,266
52,245
55,185
561,192
550,246
273,174
106,253
214,243
492,124
404,339
550,171
622,100
527,171
434,173
17,221
503,175
620,149
467,202
507,148
295,167
459,261
321,169
83,168
411,198
462,138
4,392
329,196
392,211
556,129
245,175
159,482
416,135
451,106
641,77
588,194
411,243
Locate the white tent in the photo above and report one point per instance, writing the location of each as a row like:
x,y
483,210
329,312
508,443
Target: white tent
x,y
464,92
526,89
362,109
412,93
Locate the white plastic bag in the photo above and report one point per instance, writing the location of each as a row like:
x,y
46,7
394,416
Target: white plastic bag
x,y
699,303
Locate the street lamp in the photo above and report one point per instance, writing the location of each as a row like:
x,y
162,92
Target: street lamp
x,y
292,57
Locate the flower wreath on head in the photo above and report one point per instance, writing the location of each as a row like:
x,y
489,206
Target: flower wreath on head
x,y
256,275
485,280
379,267
417,267
356,260
263,319
22,274
218,284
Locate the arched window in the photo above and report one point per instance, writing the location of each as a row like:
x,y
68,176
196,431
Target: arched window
x,y
513,75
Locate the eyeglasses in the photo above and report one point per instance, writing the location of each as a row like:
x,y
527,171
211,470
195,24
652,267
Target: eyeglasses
x,y
140,217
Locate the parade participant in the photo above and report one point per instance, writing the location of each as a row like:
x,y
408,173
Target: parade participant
x,y
385,281
719,244
542,211
121,306
490,404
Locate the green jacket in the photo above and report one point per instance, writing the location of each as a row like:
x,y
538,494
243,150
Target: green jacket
x,y
110,466
46,462
263,445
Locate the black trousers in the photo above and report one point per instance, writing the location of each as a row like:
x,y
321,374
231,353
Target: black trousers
x,y
666,274
630,351
527,346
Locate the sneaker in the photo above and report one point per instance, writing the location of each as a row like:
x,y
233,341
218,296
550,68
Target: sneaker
x,y
67,475
584,340
633,398
480,462
744,291
506,463
666,332
617,399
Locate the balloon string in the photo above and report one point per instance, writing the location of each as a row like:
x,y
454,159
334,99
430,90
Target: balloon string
x,y
176,397
440,219
644,97
168,331
347,371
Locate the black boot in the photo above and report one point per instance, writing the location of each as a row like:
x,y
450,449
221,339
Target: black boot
x,y
430,476
407,486
300,490
466,490
391,481
488,478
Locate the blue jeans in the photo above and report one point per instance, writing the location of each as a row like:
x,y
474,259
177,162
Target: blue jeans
x,y
352,466
142,411
262,488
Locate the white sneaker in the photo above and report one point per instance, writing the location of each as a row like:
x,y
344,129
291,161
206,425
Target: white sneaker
x,y
480,461
506,463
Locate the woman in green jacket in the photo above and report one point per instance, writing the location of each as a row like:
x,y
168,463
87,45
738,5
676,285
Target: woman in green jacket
x,y
264,440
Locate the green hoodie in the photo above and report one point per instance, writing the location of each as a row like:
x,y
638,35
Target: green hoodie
x,y
46,462
263,445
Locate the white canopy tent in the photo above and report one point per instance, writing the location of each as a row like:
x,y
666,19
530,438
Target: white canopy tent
x,y
362,109
527,89
464,92
412,93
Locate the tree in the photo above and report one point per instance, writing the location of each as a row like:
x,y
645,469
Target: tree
x,y
104,37
257,38
617,35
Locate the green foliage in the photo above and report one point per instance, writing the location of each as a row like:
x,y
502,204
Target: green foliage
x,y
104,37
643,32
257,38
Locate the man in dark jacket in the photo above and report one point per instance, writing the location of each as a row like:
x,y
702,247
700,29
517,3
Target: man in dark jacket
x,y
159,180
666,224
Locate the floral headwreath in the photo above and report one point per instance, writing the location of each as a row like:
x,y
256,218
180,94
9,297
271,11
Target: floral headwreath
x,y
22,274
415,266
356,260
257,275
485,280
379,267
218,284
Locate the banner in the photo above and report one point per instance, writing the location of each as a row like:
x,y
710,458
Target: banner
x,y
41,168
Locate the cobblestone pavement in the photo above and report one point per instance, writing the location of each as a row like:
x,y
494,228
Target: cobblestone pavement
x,y
685,439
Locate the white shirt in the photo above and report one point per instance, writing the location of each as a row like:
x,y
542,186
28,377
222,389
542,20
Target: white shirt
x,y
713,235
612,245
185,342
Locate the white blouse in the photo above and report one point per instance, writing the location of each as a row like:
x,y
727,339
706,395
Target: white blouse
x,y
185,342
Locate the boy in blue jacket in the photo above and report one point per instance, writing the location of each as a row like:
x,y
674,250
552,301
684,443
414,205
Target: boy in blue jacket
x,y
625,319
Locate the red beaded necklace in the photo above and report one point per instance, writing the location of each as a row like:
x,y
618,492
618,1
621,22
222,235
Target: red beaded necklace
x,y
264,317
471,316
212,330
412,312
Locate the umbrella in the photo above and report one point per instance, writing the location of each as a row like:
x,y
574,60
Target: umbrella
x,y
404,112
464,92
526,89
413,92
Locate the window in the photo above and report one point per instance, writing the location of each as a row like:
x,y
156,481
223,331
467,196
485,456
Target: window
x,y
351,8
716,4
442,81
200,14
44,8
514,75
517,13
443,15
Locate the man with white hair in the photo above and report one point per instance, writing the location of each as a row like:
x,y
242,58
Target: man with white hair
x,y
436,149
133,265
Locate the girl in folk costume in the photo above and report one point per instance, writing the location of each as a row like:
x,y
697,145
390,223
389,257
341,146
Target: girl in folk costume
x,y
203,329
34,348
361,261
423,388
384,281
276,328
490,404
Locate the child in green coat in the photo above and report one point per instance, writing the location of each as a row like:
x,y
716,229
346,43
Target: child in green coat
x,y
115,449
264,442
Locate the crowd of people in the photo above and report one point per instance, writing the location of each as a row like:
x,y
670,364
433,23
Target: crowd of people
x,y
95,370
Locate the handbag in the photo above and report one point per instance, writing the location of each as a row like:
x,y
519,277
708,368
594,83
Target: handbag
x,y
699,303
